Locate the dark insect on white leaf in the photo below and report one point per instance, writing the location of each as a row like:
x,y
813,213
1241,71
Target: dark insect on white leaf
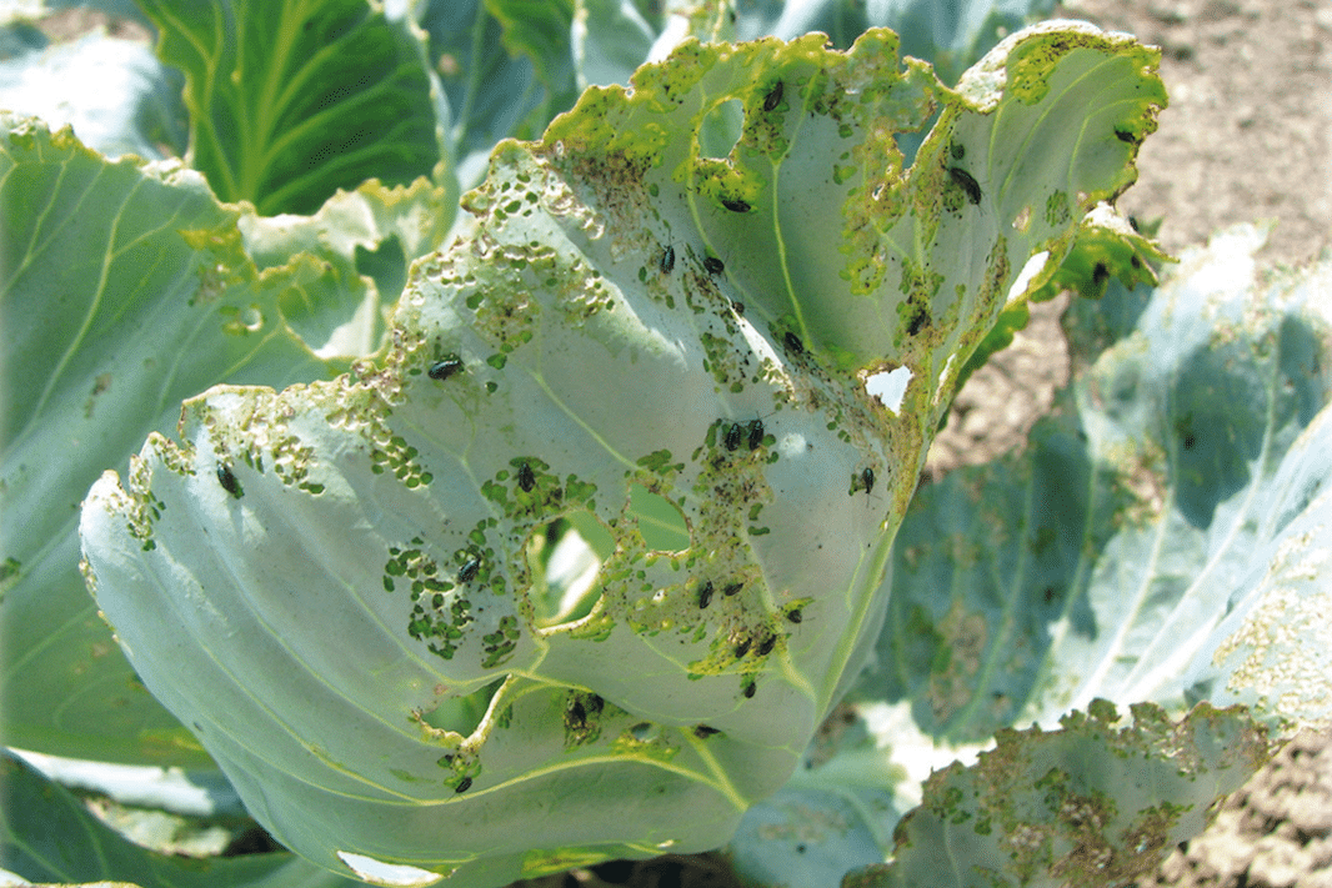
x,y
228,480
713,265
867,479
918,321
735,205
795,615
705,595
966,183
463,785
793,343
442,370
468,571
731,588
741,649
667,261
773,98
526,478
734,435
703,732
756,433
765,647
1126,136
750,689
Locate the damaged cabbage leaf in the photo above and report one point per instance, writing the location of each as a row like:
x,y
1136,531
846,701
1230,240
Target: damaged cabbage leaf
x,y
1162,538
1178,493
1096,802
605,535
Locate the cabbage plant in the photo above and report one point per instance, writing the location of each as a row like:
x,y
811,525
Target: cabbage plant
x,y
613,514
580,563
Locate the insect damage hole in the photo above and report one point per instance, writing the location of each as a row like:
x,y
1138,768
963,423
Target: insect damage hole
x,y
720,129
462,714
377,872
889,387
564,557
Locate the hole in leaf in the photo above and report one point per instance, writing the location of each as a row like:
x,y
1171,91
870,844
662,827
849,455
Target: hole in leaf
x,y
463,714
377,872
721,129
659,520
386,264
564,557
1035,265
889,387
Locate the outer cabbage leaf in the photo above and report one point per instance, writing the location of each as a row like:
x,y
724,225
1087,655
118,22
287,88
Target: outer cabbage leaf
x,y
1186,464
666,348
1162,539
501,79
123,290
115,94
47,835
363,241
950,34
290,101
1097,802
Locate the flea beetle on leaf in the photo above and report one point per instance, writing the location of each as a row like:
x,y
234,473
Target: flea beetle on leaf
x,y
756,433
442,370
966,183
228,480
734,435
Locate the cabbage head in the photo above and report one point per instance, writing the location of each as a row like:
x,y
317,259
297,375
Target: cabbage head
x,y
578,566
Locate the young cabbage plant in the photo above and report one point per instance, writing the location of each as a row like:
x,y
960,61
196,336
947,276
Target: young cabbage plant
x,y
577,570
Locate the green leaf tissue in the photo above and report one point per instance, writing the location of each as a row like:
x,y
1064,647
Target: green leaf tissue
x,y
576,569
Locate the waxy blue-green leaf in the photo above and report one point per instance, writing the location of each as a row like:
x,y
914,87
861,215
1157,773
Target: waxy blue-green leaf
x,y
1182,467
502,78
358,246
47,835
1097,802
115,94
1162,538
290,101
662,339
123,290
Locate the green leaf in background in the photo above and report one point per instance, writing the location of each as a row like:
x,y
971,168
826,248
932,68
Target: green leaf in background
x,y
115,94
658,331
1169,481
359,246
48,835
503,78
124,289
290,101
613,37
1097,802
